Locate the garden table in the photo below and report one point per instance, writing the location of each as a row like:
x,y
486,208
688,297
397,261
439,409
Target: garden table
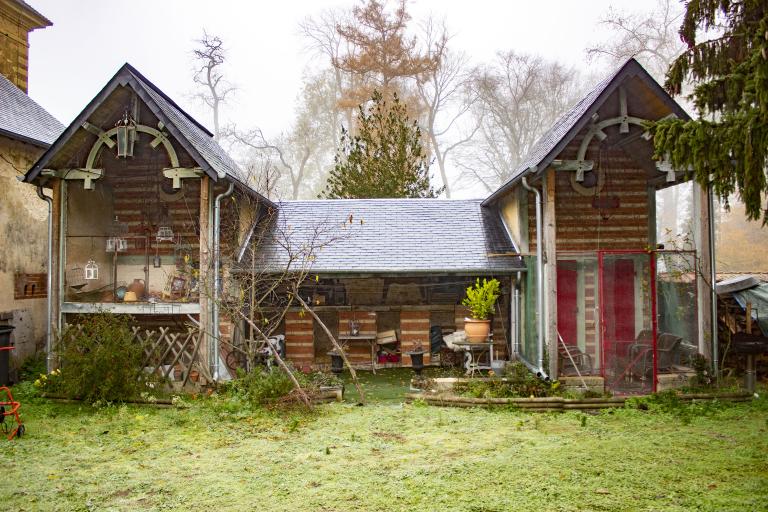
x,y
473,352
368,338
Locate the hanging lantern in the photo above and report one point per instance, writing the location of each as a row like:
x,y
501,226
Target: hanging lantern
x,y
117,244
164,234
91,271
126,136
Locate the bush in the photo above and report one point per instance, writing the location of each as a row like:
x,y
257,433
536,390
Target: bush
x,y
261,386
100,361
32,367
518,382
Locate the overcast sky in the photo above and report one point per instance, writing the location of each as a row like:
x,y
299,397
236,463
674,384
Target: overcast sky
x,y
90,39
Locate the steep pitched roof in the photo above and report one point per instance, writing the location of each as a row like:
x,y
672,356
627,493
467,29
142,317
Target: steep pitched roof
x,y
569,124
391,236
192,135
23,119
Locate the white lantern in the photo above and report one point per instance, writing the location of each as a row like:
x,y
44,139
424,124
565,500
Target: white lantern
x,y
91,271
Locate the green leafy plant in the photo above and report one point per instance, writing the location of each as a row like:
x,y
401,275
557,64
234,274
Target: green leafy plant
x,y
481,298
101,361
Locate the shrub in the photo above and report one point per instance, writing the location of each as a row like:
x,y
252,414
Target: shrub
x,y
100,361
481,298
261,386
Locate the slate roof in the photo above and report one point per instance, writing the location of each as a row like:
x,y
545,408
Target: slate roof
x,y
569,124
390,236
197,135
23,119
192,135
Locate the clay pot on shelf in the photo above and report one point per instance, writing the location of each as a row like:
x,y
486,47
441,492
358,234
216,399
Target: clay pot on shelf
x,y
137,287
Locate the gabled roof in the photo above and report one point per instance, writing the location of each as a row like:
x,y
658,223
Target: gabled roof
x,y
192,135
21,118
571,123
391,236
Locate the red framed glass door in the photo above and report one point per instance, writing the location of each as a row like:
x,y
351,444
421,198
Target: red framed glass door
x,y
628,321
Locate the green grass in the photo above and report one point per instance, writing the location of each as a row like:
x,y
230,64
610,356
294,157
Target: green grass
x,y
385,456
387,385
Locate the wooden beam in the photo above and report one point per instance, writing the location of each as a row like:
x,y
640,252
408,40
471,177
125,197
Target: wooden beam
x,y
205,263
179,173
550,270
87,175
56,209
98,132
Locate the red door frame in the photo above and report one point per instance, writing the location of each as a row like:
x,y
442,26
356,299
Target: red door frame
x,y
652,267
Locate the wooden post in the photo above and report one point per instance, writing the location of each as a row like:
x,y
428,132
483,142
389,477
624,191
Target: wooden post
x,y
550,270
204,280
702,269
56,214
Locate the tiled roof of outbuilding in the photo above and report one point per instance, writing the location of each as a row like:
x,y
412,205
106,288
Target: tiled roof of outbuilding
x,y
392,236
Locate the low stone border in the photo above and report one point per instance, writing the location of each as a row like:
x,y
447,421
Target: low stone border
x,y
554,404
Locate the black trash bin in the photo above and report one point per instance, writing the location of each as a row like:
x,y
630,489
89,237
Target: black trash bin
x,y
5,353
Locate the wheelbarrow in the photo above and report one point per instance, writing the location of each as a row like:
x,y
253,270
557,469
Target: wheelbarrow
x,y
9,411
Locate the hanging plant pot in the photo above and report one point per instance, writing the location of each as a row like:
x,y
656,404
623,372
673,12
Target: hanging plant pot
x,y
477,330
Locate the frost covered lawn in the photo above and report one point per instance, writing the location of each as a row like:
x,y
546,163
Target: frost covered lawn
x,y
385,456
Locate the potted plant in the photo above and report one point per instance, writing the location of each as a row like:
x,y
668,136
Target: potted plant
x,y
480,299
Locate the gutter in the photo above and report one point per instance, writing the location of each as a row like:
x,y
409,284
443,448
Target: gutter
x,y
539,368
216,277
49,283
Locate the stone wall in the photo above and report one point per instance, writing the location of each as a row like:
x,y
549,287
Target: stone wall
x,y
23,246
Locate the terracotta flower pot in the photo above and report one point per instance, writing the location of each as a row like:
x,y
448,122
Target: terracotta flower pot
x,y
477,330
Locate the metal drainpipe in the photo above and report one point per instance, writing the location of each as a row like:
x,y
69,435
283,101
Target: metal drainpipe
x,y
516,320
713,277
49,283
540,371
216,278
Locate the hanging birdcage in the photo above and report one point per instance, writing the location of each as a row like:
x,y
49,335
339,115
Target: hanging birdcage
x,y
91,271
75,277
164,234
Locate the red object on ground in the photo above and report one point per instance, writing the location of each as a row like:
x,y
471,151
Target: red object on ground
x,y
14,412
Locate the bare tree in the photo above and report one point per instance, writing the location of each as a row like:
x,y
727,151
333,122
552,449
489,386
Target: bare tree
x,y
651,37
447,97
268,261
324,41
301,156
519,98
209,58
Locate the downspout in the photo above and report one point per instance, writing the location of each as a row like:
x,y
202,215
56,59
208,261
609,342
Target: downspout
x,y
516,318
216,278
49,283
540,371
713,277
